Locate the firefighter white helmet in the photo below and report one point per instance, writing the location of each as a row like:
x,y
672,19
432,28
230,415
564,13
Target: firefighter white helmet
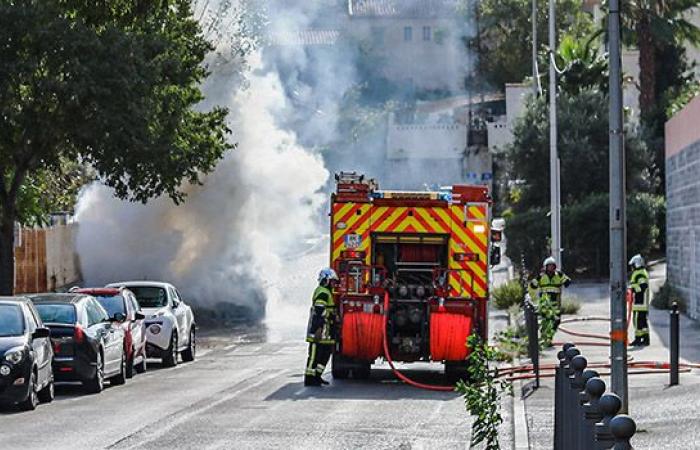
x,y
327,274
637,262
549,261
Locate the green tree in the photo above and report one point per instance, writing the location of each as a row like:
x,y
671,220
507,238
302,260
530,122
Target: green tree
x,y
583,151
504,42
583,65
654,26
113,84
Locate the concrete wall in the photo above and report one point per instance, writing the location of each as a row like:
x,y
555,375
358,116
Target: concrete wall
x,y
683,204
61,259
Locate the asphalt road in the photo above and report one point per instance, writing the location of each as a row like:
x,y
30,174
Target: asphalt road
x,y
243,394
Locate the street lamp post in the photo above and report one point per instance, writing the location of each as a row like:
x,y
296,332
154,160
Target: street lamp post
x,y
553,154
618,314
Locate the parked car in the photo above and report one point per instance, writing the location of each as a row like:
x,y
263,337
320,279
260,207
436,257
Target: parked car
x,y
170,325
122,300
88,344
26,377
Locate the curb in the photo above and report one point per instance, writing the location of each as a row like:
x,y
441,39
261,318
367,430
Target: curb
x,y
521,436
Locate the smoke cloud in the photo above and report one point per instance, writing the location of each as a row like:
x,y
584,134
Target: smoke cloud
x,y
234,237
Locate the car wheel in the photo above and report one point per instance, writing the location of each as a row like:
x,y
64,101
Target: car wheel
x,y
120,378
32,400
141,367
190,352
47,394
97,383
130,365
170,357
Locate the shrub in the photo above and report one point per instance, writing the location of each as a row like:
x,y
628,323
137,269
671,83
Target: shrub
x,y
508,294
664,298
570,305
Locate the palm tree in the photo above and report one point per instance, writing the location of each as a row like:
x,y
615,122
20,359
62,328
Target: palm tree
x,y
654,25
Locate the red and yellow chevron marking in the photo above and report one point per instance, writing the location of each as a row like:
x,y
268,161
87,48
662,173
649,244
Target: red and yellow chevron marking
x,y
355,216
469,278
408,220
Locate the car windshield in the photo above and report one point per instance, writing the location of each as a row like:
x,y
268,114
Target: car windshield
x,y
11,321
150,297
113,304
56,313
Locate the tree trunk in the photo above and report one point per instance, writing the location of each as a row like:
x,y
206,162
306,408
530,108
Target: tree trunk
x,y
647,69
7,249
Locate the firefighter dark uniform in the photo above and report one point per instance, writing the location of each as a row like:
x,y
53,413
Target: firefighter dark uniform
x,y
320,335
550,284
639,284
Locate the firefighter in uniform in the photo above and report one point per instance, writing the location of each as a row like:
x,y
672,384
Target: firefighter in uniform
x,y
550,282
321,330
639,284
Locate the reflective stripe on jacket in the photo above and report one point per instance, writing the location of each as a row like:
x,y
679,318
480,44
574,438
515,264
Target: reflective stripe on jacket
x,y
639,283
322,315
546,284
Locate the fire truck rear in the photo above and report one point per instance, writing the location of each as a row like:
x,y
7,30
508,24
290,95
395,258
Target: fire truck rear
x,y
425,255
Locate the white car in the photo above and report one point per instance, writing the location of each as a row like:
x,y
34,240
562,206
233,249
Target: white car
x,y
170,326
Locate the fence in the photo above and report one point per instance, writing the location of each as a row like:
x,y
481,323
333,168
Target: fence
x,y
45,259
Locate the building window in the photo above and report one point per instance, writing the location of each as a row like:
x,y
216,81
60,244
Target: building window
x,y
407,34
427,34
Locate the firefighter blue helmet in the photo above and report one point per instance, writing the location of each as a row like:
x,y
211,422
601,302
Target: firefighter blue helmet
x,y
327,275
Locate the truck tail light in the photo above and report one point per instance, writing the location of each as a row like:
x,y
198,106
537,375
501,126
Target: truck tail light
x,y
352,254
466,257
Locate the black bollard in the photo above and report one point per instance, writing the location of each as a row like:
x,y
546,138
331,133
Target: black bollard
x,y
595,387
587,375
575,412
675,338
558,400
561,389
609,405
623,428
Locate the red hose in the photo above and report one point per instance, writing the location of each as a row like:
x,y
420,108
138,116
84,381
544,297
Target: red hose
x,y
398,374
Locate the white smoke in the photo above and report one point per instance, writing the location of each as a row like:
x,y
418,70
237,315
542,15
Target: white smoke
x,y
228,241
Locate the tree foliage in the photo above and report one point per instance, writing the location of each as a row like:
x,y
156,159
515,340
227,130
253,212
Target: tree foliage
x,y
113,84
583,150
504,41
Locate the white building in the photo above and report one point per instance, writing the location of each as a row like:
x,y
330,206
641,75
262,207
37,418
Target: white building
x,y
418,42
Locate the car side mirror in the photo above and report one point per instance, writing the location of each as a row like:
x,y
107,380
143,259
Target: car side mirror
x,y
118,317
139,316
41,333
175,304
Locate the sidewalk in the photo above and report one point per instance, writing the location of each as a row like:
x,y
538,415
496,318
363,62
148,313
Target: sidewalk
x,y
667,417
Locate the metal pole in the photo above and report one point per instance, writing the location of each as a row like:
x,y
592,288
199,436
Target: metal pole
x,y
618,326
535,71
553,158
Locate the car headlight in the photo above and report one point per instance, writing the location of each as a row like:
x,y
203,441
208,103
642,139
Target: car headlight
x,y
5,370
155,328
14,355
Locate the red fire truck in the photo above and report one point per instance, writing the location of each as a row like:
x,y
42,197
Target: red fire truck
x,y
414,273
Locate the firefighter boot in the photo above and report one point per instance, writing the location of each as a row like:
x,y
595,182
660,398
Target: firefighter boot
x,y
645,340
636,342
